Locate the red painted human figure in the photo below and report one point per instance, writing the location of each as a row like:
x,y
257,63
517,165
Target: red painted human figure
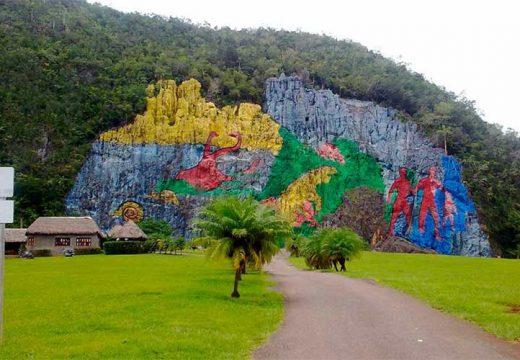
x,y
429,185
205,175
403,188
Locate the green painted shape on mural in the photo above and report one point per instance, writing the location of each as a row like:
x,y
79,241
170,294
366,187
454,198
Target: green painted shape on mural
x,y
294,160
359,169
182,187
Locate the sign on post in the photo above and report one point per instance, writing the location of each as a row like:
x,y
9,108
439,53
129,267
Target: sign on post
x,y
6,217
6,182
6,191
6,211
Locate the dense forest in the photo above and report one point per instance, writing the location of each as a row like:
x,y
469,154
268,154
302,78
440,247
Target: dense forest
x,y
69,70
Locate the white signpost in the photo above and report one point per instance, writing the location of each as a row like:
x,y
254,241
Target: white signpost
x,y
6,217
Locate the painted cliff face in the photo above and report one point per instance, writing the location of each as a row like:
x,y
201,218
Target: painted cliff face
x,y
300,157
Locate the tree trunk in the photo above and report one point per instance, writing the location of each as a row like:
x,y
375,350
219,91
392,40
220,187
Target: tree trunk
x,y
342,263
334,262
235,293
243,264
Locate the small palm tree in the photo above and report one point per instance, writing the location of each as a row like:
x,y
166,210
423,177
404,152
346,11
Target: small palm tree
x,y
312,251
340,245
331,246
242,230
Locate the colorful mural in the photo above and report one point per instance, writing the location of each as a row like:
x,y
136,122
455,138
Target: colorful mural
x,y
300,201
180,115
205,175
434,213
401,204
183,151
130,210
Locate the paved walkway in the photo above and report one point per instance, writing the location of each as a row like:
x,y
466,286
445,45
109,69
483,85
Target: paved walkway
x,y
333,317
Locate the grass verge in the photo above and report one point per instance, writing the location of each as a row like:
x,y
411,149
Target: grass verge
x,y
485,291
134,306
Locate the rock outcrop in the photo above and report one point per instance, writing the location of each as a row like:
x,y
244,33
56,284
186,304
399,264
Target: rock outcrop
x,y
316,117
301,156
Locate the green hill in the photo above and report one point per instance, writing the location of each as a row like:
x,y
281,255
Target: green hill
x,y
69,70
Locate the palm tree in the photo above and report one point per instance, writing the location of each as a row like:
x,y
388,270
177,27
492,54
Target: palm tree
x,y
312,251
242,230
340,245
331,246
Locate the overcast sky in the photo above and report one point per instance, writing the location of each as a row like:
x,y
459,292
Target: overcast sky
x,y
471,47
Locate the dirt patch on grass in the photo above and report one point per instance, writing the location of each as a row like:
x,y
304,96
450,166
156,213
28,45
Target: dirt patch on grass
x,y
514,308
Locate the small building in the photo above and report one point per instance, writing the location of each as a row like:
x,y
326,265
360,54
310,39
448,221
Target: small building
x,y
14,240
126,232
59,233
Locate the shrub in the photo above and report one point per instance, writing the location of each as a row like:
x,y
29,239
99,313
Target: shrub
x,y
150,245
312,251
294,244
156,227
340,245
123,247
41,253
87,251
331,246
179,244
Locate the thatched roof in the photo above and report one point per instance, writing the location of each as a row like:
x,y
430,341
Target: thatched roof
x,y
128,230
15,235
112,232
64,226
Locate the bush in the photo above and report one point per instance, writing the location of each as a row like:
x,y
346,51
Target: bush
x,y
155,227
294,244
87,251
179,244
123,247
331,246
313,253
150,245
41,253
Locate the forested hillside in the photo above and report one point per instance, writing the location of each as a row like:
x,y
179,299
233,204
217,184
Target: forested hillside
x,y
70,70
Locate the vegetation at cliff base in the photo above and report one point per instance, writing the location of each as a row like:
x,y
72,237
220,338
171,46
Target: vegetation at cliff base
x,y
70,70
134,307
448,283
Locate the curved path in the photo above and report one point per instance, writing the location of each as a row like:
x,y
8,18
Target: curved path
x,y
331,317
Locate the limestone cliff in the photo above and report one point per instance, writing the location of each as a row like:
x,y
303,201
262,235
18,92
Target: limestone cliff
x,y
301,156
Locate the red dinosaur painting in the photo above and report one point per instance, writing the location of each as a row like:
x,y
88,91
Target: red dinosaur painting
x,y
205,175
403,188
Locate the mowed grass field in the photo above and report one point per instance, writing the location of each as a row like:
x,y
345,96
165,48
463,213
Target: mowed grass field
x,y
485,291
134,307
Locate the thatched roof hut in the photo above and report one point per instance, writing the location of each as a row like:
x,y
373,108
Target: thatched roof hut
x,y
61,225
128,231
14,240
56,234
15,236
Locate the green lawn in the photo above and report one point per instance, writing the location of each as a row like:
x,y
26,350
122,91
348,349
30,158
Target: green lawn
x,y
477,289
134,306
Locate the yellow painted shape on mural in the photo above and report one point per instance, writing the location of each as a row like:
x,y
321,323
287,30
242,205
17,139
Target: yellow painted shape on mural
x,y
179,115
291,200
